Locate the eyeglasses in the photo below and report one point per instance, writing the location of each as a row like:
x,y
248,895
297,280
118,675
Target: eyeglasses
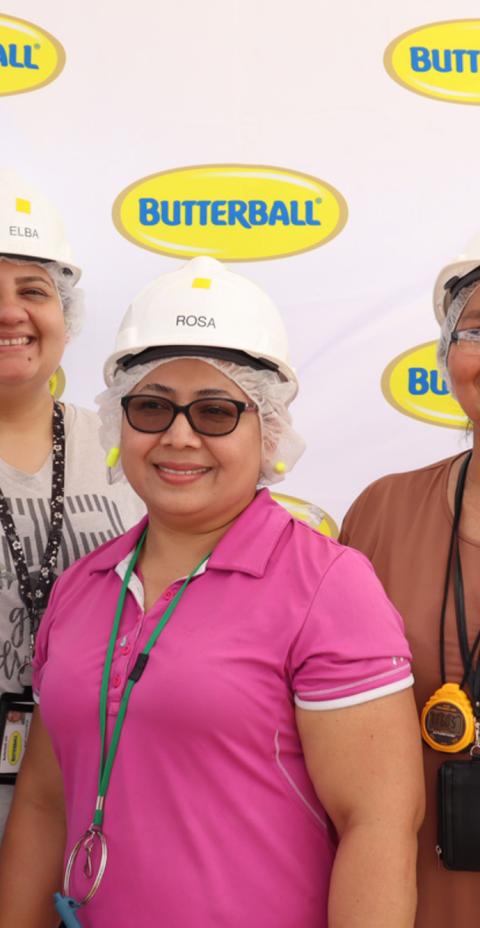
x,y
467,341
209,416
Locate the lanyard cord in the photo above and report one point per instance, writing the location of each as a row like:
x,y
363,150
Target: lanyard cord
x,y
106,764
35,598
471,676
470,660
459,596
456,521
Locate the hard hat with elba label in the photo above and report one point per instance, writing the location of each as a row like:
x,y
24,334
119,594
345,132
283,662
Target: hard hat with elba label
x,y
30,226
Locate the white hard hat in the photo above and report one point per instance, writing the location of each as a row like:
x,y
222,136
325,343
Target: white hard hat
x,y
460,273
30,227
203,309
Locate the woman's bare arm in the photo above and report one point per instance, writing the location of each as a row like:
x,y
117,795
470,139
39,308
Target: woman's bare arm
x,y
365,764
31,856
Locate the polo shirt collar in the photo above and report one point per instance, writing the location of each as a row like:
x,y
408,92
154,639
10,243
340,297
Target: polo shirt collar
x,y
246,547
249,543
115,551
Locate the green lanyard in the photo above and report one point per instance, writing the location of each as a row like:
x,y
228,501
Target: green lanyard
x,y
133,678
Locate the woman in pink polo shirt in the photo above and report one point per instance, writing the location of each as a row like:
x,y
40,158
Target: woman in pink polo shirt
x,y
226,734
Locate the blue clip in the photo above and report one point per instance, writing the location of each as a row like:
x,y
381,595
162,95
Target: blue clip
x,y
66,907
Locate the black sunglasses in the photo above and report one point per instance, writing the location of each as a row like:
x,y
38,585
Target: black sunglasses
x,y
209,416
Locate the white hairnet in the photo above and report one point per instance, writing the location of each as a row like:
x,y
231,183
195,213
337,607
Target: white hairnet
x,y
71,297
449,325
281,444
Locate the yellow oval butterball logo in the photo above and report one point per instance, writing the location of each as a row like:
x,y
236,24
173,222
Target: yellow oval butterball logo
x,y
308,512
29,56
232,212
438,60
14,748
413,384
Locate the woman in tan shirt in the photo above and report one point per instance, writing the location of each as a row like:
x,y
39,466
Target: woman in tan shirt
x,y
404,524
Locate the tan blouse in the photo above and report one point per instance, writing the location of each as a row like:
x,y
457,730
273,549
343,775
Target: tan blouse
x,y
403,524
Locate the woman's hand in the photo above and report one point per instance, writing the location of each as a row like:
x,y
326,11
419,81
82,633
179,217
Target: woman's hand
x,y
365,764
31,857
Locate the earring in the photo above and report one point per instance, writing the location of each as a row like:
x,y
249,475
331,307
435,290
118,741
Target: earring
x,y
280,467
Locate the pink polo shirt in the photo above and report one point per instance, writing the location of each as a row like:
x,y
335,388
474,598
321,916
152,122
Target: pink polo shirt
x,y
211,818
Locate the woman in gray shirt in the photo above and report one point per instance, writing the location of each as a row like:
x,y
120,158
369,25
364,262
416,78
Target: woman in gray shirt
x,y
55,501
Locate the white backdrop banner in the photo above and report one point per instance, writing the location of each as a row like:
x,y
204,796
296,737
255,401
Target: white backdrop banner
x,y
330,148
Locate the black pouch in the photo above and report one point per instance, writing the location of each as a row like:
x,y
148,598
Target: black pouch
x,y
459,814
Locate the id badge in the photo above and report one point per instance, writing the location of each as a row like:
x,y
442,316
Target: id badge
x,y
15,719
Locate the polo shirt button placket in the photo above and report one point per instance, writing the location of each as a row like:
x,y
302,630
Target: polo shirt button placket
x,y
172,590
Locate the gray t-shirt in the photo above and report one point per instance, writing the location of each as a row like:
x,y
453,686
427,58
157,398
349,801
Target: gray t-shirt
x,y
94,512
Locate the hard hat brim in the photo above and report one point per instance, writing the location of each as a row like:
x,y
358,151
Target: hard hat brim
x,y
195,351
122,361
72,270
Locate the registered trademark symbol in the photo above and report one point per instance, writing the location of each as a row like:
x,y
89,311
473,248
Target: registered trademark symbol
x,y
37,45
318,199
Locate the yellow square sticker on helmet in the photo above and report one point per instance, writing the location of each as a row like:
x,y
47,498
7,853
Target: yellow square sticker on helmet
x,y
22,206
203,283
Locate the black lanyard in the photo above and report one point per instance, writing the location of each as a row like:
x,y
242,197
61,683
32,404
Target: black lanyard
x,y
471,676
35,597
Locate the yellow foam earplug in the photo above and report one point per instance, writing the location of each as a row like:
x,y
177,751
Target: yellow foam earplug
x,y
280,467
113,457
56,384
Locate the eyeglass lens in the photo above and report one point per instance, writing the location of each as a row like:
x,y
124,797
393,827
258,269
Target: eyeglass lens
x,y
208,416
468,341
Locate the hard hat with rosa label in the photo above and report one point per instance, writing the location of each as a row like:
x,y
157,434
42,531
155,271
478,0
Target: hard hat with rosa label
x,y
202,309
461,272
31,227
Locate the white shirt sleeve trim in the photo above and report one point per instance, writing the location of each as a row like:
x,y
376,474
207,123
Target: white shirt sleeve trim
x,y
400,666
345,701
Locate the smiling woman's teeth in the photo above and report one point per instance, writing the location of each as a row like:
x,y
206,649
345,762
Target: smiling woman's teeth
x,y
177,470
5,342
